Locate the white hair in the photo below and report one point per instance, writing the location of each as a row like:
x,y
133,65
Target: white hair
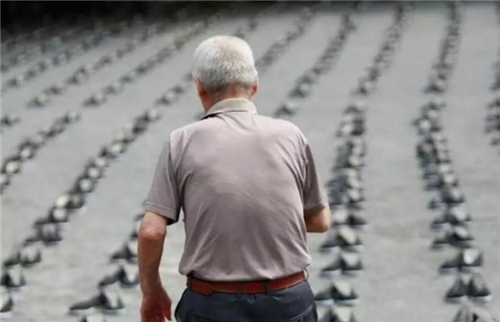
x,y
222,63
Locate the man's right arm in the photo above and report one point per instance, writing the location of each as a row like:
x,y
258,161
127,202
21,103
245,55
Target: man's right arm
x,y
318,222
316,206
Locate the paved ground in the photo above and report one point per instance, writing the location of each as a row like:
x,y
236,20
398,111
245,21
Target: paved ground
x,y
401,280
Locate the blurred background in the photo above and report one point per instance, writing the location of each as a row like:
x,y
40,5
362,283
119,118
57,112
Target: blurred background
x,y
399,101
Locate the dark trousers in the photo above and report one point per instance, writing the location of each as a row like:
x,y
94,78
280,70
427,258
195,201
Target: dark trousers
x,y
293,304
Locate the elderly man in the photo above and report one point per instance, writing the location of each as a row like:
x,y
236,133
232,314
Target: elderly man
x,y
249,191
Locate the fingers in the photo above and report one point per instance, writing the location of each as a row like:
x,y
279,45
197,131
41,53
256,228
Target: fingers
x,y
156,318
168,313
157,310
166,307
154,314
146,318
167,310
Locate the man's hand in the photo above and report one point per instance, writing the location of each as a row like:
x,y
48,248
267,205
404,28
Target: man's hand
x,y
156,307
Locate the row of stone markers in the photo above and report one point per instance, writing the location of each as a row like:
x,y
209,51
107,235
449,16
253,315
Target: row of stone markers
x,y
12,164
27,149
304,85
306,17
48,230
345,189
47,39
346,196
17,39
160,57
26,37
493,113
90,39
101,36
122,274
496,84
442,69
7,120
41,38
82,74
493,121
453,218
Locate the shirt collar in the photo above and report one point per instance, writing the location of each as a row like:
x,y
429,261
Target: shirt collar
x,y
231,105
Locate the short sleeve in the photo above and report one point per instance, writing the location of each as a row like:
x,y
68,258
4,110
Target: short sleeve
x,y
163,197
314,195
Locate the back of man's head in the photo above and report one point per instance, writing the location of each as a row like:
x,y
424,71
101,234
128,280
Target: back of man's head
x,y
224,63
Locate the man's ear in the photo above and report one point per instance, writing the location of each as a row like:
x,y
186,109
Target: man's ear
x,y
202,92
256,86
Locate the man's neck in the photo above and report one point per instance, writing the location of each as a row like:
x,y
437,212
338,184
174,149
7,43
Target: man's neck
x,y
208,104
